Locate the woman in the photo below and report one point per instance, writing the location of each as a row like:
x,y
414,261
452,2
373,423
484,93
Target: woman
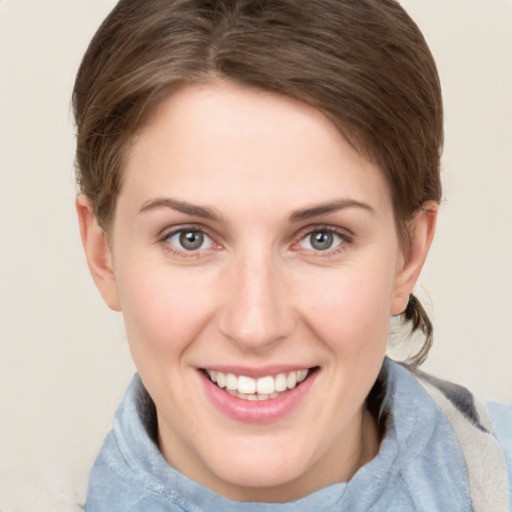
x,y
260,185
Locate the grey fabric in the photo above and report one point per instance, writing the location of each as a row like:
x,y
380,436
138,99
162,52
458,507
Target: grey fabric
x,y
483,454
420,466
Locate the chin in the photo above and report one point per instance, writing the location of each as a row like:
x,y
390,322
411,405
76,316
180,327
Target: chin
x,y
260,475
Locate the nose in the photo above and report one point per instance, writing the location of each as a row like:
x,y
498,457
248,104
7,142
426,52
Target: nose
x,y
256,311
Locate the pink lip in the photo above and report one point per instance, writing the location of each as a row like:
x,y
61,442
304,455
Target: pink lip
x,y
262,411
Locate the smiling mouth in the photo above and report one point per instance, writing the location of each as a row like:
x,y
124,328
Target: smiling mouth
x,y
268,387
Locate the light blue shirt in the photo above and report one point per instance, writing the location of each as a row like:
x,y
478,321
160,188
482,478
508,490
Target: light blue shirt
x,y
420,465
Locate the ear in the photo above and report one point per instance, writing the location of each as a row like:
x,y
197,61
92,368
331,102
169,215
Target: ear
x,y
97,252
421,230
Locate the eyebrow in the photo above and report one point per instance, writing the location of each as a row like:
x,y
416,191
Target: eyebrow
x,y
296,216
330,207
180,206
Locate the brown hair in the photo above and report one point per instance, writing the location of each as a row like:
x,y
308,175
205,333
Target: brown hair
x,y
364,63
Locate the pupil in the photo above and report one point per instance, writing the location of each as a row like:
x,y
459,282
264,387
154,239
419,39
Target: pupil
x,y
191,240
321,241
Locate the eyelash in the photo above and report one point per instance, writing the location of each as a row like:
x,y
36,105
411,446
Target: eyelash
x,y
345,240
183,253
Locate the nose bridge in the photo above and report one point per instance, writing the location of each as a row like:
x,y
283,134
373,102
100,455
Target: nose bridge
x,y
256,312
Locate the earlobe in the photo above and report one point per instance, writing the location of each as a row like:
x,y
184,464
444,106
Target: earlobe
x,y
97,252
421,229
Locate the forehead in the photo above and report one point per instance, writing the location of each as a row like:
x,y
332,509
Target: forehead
x,y
221,142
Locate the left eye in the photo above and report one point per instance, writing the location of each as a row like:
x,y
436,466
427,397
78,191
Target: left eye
x,y
190,240
321,240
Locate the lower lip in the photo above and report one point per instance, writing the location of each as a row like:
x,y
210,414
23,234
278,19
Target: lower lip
x,y
260,411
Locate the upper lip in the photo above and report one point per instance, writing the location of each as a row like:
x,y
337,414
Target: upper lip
x,y
257,372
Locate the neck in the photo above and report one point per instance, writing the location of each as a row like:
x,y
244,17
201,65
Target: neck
x,y
359,445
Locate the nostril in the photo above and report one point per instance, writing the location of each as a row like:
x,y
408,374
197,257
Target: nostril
x,y
256,327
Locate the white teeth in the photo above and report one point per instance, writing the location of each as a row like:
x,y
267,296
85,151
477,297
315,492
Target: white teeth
x,y
265,385
264,388
291,380
231,382
221,380
246,385
280,382
301,375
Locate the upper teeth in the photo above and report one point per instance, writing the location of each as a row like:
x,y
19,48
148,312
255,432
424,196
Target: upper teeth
x,y
263,386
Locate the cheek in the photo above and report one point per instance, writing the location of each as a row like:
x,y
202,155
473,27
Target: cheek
x,y
163,309
350,309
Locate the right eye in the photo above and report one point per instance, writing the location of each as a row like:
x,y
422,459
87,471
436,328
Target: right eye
x,y
189,240
322,240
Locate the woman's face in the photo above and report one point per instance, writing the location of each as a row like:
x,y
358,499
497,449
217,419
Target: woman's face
x,y
253,246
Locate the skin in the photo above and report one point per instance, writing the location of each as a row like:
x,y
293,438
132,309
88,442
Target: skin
x,y
257,292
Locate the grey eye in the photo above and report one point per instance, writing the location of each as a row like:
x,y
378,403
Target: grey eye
x,y
321,240
190,240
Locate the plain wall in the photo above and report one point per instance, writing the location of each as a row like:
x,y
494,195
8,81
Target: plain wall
x,y
64,361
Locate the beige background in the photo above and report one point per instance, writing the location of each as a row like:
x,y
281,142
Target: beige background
x,y
63,357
